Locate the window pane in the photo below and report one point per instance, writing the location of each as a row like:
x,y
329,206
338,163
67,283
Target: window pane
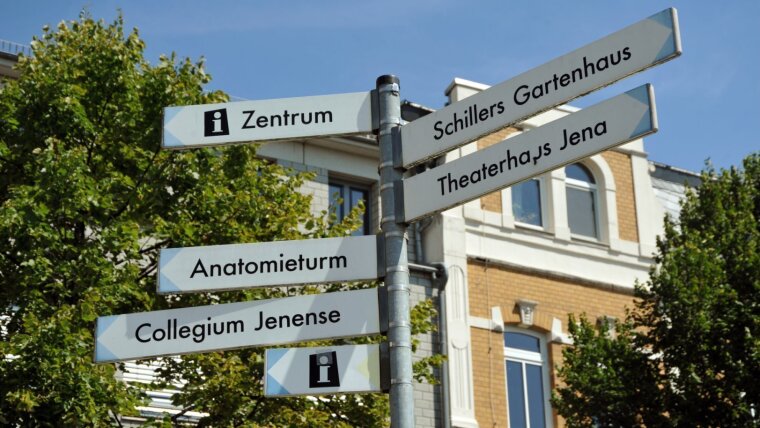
x,y
336,200
579,172
535,389
526,202
358,195
515,395
521,341
581,213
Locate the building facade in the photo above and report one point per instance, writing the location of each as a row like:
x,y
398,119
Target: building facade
x,y
574,240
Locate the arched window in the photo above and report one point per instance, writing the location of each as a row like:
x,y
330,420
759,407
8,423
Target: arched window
x,y
527,383
582,201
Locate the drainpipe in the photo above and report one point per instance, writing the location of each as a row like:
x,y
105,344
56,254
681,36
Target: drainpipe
x,y
439,274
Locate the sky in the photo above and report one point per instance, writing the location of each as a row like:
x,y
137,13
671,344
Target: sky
x,y
707,99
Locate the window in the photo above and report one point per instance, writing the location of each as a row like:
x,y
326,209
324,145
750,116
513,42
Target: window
x,y
582,202
527,384
345,196
526,202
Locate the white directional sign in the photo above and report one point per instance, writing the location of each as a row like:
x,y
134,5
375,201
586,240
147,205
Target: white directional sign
x,y
618,120
308,261
628,51
266,120
314,371
237,325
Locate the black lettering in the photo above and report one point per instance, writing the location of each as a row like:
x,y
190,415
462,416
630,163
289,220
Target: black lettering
x,y
575,138
217,268
590,133
246,125
251,268
511,158
525,157
437,127
324,116
322,317
297,320
458,123
483,114
338,260
219,330
463,181
475,176
626,53
600,131
564,139
268,266
137,333
538,91
184,332
613,59
537,156
199,333
312,316
334,317
579,72
271,322
602,64
261,322
229,269
262,122
524,96
586,66
199,268
156,335
234,325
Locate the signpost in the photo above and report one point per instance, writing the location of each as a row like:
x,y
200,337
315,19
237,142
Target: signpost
x,y
357,368
266,120
237,325
618,120
630,50
308,261
315,371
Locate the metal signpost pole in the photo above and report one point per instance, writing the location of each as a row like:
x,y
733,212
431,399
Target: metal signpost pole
x,y
397,266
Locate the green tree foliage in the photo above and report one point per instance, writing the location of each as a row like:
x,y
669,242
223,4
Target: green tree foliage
x,y
688,354
87,199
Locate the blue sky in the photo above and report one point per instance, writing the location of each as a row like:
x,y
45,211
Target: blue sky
x,y
707,100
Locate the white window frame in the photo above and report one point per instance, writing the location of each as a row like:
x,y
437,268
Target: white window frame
x,y
594,190
527,357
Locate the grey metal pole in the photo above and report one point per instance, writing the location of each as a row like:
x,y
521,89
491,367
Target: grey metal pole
x,y
397,265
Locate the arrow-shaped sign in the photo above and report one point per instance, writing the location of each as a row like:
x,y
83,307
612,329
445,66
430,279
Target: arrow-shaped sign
x,y
307,261
315,371
267,120
605,61
237,325
610,123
